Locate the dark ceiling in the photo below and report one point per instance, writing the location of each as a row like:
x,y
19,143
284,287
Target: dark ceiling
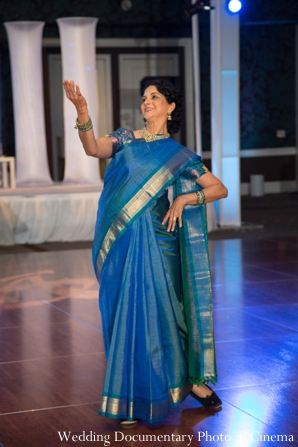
x,y
146,18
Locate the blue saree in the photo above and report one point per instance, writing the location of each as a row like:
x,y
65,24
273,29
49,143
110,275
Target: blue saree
x,y
155,289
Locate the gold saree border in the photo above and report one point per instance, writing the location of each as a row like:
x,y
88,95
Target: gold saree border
x,y
133,206
197,292
112,405
139,201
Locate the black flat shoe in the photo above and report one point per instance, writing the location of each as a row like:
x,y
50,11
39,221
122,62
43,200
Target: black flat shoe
x,y
212,401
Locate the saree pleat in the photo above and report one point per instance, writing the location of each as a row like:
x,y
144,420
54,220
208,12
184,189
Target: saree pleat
x,y
146,368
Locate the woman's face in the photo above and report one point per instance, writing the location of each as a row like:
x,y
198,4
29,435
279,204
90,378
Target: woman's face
x,y
154,105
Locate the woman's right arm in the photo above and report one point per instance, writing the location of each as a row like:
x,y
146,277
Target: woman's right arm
x,y
100,147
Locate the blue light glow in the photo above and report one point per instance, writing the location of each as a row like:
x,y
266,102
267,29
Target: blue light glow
x,y
234,6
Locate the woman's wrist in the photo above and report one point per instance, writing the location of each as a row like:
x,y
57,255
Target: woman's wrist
x,y
83,115
189,199
194,198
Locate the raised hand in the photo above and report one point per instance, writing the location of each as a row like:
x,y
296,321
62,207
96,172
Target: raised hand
x,y
73,93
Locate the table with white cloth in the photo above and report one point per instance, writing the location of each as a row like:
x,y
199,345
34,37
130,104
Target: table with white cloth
x,y
34,217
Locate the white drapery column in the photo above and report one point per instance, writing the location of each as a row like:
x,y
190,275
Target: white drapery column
x,y
225,121
78,64
26,69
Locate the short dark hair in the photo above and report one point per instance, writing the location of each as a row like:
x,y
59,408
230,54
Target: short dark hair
x,y
172,94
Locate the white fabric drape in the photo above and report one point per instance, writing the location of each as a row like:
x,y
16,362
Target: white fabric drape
x,y
26,67
78,64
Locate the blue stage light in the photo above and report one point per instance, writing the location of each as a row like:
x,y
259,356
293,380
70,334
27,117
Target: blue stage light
x,y
234,6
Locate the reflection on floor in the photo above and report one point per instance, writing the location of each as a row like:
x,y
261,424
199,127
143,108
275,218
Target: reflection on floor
x,y
52,360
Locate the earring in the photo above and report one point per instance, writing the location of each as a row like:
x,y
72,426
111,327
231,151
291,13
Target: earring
x,y
169,117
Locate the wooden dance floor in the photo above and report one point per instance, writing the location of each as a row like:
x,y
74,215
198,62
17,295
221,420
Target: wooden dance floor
x,y
52,360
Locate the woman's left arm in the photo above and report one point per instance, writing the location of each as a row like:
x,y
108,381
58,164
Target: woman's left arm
x,y
213,190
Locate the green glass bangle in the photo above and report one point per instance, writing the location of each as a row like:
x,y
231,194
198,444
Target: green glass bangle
x,y
204,197
84,127
200,197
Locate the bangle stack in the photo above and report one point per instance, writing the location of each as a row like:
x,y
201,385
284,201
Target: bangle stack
x,y
84,127
200,197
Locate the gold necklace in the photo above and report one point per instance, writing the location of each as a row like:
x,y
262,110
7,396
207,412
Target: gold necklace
x,y
148,137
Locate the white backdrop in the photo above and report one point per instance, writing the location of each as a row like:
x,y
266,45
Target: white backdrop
x,y
78,64
26,70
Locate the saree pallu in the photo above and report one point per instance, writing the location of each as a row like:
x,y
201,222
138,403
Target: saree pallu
x,y
155,292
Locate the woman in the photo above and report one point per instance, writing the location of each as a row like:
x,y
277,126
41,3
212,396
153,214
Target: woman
x,y
151,259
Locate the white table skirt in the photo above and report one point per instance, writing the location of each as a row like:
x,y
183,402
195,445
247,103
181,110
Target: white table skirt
x,y
47,218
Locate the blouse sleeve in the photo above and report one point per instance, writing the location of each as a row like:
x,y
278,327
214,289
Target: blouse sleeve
x,y
195,171
119,138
